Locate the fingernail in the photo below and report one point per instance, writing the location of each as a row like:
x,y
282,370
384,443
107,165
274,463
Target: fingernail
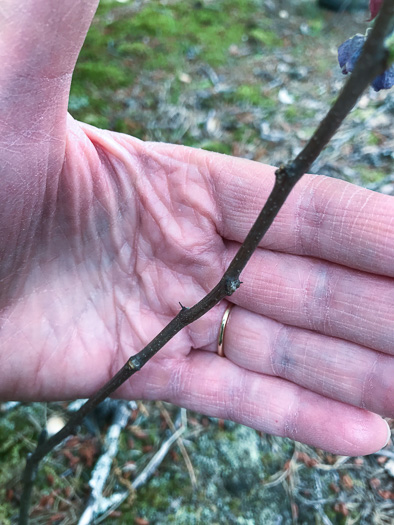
x,y
388,433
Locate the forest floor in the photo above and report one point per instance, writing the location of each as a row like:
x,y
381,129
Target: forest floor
x,y
253,79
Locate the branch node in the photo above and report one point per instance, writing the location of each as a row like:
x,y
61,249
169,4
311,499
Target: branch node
x,y
286,172
134,363
231,284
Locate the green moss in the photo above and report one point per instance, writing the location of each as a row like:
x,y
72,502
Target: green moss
x,y
253,95
374,139
171,31
218,147
4,512
316,26
154,20
95,44
266,37
249,94
103,74
134,49
123,44
369,174
17,439
96,120
244,133
292,113
334,516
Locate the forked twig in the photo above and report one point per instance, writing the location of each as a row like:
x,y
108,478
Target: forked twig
x,y
182,448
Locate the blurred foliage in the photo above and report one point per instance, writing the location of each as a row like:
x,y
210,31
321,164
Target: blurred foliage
x,y
167,38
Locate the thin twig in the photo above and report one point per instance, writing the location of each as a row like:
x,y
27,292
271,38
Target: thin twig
x,y
371,63
118,498
282,475
180,443
102,468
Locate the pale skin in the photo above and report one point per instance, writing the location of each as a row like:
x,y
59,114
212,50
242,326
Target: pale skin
x,y
101,235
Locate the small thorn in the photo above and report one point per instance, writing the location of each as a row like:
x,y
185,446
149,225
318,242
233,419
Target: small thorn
x,y
231,284
182,307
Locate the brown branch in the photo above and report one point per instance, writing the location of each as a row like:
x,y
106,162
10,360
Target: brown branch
x,y
370,64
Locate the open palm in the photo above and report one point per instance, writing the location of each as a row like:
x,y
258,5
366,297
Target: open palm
x,y
102,235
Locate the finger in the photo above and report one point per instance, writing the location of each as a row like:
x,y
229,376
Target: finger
x,y
39,45
320,296
326,365
322,217
215,386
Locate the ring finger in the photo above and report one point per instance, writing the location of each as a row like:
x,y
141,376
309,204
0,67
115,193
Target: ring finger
x,y
327,365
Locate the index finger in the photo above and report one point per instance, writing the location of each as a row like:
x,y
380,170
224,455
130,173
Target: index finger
x,y
323,217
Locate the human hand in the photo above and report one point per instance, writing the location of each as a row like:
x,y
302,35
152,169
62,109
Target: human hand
x,y
102,235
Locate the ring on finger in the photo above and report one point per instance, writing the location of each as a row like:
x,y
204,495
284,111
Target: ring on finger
x,y
222,329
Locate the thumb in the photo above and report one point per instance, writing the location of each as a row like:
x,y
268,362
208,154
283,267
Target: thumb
x,y
39,45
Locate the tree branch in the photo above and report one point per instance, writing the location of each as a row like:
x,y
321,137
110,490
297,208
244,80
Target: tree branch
x,y
371,63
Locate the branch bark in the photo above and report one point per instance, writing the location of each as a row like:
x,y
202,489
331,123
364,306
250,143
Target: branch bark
x,y
372,62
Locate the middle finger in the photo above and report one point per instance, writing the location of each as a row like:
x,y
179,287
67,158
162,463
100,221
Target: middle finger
x,y
321,296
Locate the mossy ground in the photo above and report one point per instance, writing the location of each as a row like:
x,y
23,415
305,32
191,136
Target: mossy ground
x,y
239,77
243,477
252,79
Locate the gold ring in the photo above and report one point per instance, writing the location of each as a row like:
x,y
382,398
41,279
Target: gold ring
x,y
223,324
